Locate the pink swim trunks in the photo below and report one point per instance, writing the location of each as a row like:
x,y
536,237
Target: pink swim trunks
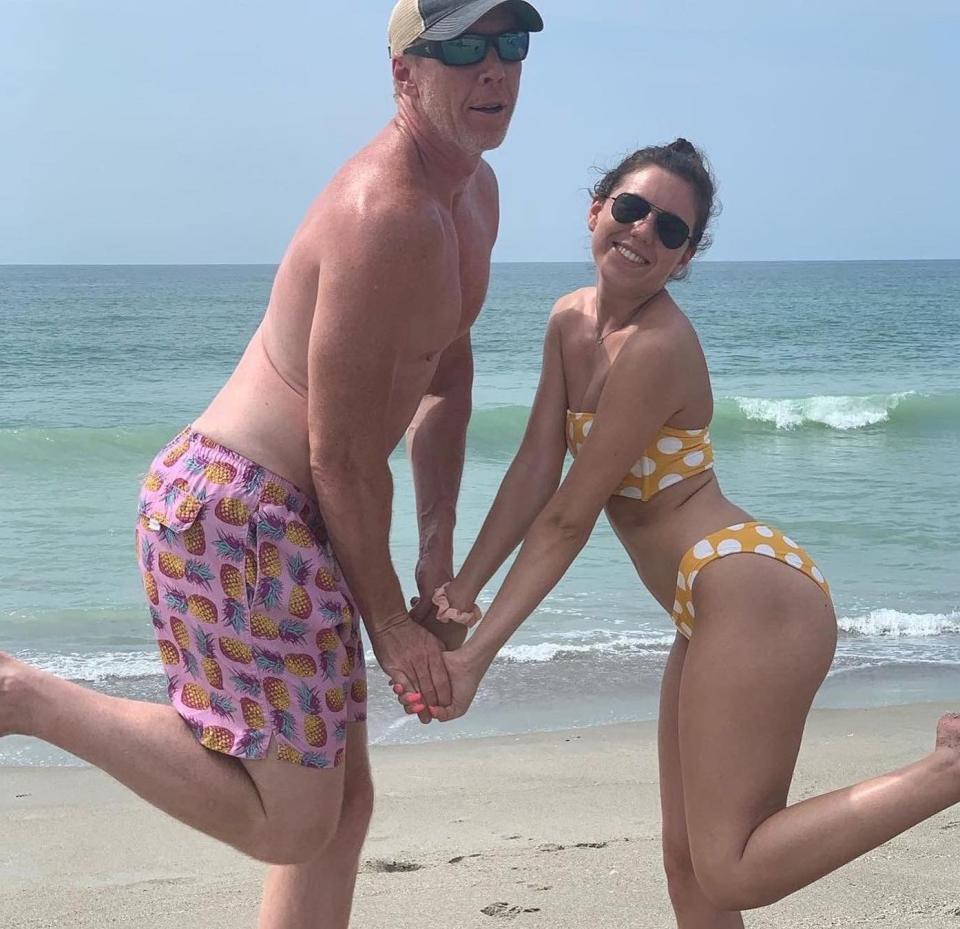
x,y
257,631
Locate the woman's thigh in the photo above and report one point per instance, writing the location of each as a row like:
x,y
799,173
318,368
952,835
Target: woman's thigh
x,y
676,849
764,641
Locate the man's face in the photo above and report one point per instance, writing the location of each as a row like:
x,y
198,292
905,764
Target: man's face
x,y
471,106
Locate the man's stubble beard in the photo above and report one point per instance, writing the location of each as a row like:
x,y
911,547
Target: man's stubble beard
x,y
470,142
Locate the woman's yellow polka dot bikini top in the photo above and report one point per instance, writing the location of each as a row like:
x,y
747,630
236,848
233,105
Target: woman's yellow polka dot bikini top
x,y
676,455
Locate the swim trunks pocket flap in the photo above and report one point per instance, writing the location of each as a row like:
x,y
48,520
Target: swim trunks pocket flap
x,y
174,505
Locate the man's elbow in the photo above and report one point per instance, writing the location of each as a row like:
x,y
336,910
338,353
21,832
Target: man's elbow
x,y
339,468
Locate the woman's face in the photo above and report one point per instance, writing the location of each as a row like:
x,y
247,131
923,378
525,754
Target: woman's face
x,y
631,256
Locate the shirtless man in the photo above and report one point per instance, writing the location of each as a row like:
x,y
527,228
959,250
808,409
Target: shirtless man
x,y
366,336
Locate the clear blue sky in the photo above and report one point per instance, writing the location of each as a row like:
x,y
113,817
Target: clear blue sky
x,y
199,132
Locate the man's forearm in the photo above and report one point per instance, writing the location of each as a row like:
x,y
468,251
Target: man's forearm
x,y
356,505
436,443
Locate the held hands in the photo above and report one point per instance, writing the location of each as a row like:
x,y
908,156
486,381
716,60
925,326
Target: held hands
x,y
464,678
412,658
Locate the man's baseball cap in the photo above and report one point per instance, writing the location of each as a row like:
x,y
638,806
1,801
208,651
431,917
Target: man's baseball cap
x,y
446,19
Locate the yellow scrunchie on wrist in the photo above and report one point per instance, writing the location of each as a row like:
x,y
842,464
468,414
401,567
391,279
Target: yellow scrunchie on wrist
x,y
449,614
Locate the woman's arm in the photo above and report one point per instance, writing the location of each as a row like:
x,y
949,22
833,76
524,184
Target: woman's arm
x,y
529,483
624,427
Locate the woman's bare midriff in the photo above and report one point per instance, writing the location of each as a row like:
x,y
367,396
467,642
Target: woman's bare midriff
x,y
658,533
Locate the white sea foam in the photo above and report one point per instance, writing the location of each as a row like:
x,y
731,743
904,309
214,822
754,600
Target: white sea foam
x,y
836,412
894,624
96,667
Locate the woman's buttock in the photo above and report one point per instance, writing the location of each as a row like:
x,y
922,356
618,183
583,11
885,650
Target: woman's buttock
x,y
756,539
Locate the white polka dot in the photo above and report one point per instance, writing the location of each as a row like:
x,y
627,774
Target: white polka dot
x,y
708,466
707,440
729,547
669,445
690,609
681,583
790,542
685,630
693,431
765,550
736,528
691,579
817,576
647,466
668,479
693,460
677,607
765,531
795,561
587,426
633,492
703,549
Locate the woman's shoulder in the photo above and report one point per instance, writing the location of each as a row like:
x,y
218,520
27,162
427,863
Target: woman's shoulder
x,y
570,307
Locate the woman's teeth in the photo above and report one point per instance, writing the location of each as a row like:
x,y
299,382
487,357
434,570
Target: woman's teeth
x,y
631,256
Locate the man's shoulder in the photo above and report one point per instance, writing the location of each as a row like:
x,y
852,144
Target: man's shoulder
x,y
363,208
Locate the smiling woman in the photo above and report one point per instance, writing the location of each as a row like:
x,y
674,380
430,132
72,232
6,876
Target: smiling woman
x,y
625,387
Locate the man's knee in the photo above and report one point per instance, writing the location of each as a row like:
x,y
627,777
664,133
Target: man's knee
x,y
290,840
358,797
301,837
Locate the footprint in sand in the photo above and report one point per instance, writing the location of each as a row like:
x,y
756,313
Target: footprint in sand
x,y
507,910
554,847
388,866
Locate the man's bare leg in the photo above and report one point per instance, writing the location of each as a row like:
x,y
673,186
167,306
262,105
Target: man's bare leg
x,y
318,894
270,809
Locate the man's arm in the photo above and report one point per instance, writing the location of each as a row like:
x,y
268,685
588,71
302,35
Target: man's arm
x,y
436,441
375,282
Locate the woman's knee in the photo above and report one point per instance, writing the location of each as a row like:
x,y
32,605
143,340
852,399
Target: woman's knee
x,y
730,885
678,868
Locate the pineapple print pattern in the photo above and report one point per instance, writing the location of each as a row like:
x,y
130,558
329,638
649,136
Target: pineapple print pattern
x,y
255,626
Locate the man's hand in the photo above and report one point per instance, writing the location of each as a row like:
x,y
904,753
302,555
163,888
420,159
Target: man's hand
x,y
413,657
431,575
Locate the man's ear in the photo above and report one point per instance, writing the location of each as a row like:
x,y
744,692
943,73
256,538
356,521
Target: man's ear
x,y
403,80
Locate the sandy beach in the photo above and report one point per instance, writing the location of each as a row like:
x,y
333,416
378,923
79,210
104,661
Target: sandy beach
x,y
548,829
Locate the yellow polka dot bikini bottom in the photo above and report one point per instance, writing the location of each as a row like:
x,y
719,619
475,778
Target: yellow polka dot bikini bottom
x,y
756,538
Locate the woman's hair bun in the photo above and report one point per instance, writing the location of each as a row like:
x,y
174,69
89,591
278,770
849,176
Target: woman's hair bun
x,y
683,146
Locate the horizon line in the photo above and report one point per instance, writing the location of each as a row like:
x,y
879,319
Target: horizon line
x,y
506,261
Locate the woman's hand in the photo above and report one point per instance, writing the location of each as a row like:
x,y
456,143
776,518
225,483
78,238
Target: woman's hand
x,y
454,605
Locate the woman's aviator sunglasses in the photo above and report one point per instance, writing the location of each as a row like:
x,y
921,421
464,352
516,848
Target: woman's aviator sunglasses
x,y
471,49
632,208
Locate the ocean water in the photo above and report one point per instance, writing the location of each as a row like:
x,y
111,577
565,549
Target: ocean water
x,y
837,418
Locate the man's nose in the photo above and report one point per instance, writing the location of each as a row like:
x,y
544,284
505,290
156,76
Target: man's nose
x,y
492,69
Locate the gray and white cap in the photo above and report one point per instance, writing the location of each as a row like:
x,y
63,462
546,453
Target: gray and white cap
x,y
412,20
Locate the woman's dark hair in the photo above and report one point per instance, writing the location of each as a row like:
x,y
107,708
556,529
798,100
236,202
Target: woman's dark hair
x,y
684,160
